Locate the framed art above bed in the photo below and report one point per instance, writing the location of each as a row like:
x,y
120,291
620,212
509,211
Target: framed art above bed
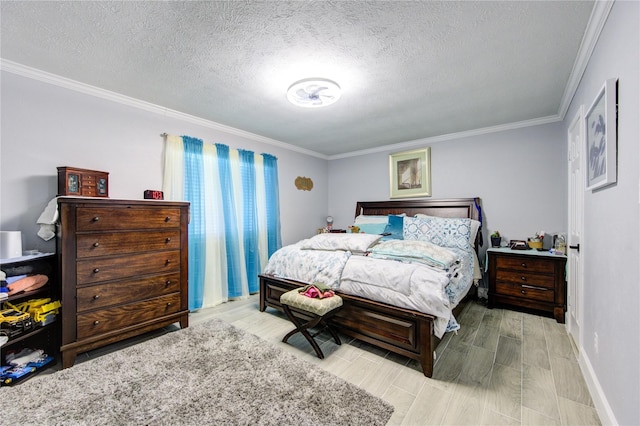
x,y
410,174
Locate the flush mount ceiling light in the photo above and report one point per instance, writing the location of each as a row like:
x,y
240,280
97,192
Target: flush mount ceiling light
x,y
313,92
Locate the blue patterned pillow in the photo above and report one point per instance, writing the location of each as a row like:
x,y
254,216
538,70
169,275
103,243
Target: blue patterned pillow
x,y
445,232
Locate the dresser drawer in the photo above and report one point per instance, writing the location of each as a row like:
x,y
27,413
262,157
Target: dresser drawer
x,y
121,218
115,293
525,277
525,264
525,292
105,320
99,269
108,243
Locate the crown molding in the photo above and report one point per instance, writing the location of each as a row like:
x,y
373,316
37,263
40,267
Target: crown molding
x,y
56,80
598,18
450,136
595,25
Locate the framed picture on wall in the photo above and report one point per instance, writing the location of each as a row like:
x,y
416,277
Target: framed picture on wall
x,y
410,173
601,138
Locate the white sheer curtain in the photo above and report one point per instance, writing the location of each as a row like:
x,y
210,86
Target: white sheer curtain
x,y
219,273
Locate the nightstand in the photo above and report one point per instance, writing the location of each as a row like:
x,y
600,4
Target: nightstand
x,y
528,279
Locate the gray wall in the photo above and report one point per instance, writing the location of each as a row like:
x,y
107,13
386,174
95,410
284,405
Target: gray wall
x,y
520,176
610,249
45,126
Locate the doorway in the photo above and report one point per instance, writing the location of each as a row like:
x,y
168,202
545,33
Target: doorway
x,y
575,138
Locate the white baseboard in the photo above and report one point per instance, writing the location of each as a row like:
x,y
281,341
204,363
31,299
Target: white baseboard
x,y
597,394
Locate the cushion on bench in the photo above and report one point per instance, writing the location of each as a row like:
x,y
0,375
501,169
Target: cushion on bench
x,y
319,307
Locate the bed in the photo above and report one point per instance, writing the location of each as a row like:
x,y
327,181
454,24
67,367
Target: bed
x,y
405,331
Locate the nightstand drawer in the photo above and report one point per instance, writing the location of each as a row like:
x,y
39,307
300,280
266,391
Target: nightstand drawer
x,y
519,278
525,291
525,264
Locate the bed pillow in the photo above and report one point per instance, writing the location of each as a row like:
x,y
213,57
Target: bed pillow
x,y
395,227
340,241
444,232
475,227
362,219
372,228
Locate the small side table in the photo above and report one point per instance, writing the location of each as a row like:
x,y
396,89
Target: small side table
x,y
528,279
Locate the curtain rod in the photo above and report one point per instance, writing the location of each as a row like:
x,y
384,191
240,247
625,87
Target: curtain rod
x,y
165,134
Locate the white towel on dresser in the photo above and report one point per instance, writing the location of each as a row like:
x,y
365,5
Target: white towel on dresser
x,y
47,220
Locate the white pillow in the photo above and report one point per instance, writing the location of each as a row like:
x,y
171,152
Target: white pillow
x,y
340,241
366,219
475,226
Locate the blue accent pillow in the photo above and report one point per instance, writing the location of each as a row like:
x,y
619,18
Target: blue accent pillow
x,y
372,228
394,228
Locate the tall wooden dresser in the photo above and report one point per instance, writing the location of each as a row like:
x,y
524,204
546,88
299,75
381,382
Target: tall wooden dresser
x,y
123,268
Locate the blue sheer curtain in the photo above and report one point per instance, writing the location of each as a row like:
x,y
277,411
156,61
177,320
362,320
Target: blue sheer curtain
x,y
235,219
250,219
273,202
193,189
234,260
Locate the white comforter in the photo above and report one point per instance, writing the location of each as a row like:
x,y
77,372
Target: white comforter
x,y
406,285
417,286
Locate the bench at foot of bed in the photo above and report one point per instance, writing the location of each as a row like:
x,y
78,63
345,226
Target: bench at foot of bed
x,y
402,331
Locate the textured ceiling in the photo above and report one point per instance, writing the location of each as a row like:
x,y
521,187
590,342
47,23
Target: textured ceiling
x,y
408,70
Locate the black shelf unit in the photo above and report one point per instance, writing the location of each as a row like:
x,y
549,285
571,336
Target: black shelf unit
x,y
45,337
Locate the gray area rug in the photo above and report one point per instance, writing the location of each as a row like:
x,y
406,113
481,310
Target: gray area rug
x,y
208,374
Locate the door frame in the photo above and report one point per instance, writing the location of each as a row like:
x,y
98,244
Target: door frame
x,y
577,124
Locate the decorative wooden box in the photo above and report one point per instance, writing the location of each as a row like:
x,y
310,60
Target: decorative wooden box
x,y
83,182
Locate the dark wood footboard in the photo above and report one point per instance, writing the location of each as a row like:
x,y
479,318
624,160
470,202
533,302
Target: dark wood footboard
x,y
402,331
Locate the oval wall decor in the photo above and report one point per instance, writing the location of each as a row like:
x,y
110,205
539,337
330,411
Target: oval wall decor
x,y
304,183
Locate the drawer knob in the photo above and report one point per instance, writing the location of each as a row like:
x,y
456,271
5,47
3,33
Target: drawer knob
x,y
523,278
168,261
167,219
96,297
168,282
96,218
167,240
96,270
96,244
523,292
96,322
168,304
524,265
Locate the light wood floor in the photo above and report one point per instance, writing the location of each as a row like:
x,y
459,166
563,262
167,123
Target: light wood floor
x,y
502,368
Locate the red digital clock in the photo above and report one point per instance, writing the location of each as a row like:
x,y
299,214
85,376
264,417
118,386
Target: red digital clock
x,y
150,194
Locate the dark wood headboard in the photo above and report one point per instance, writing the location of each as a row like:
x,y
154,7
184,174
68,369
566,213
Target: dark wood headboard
x,y
446,207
